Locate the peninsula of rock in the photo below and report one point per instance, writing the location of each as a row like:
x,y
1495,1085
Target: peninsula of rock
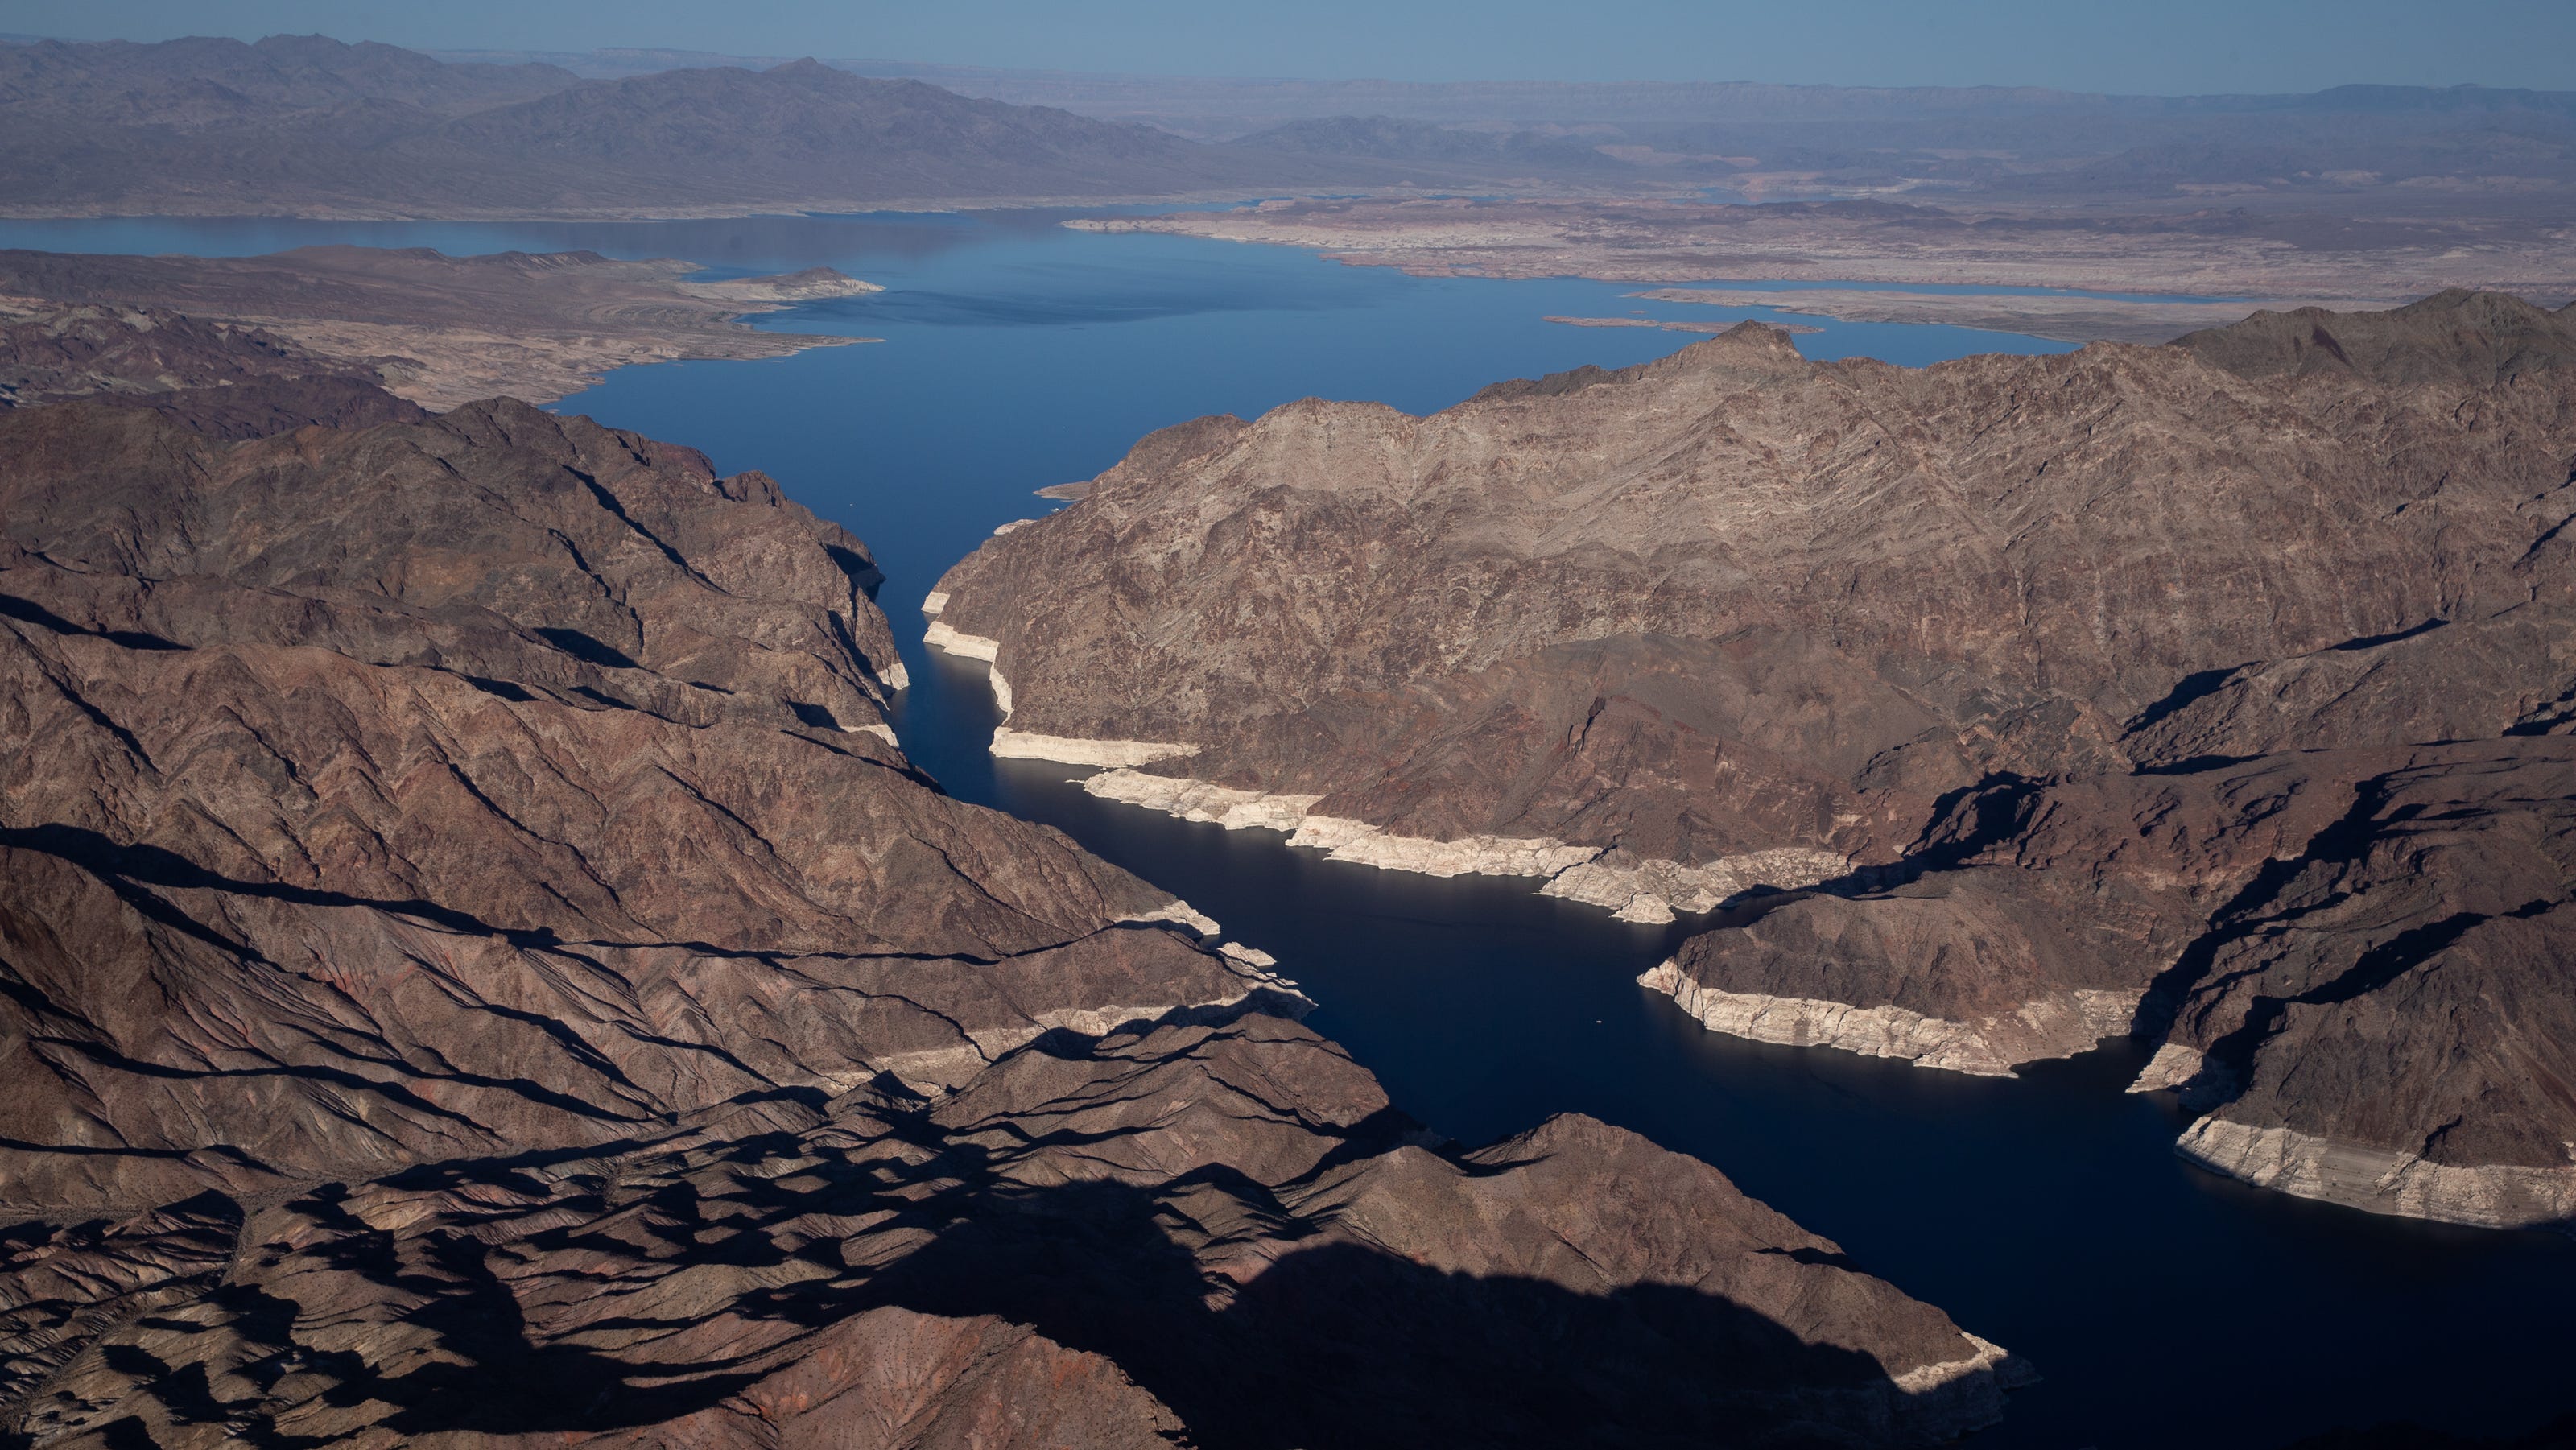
x,y
2217,693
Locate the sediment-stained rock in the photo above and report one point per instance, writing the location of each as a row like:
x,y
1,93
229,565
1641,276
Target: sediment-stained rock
x,y
1994,706
1010,744
2059,1024
479,971
940,636
2384,1180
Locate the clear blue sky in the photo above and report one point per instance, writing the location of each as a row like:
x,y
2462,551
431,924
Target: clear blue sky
x,y
2150,46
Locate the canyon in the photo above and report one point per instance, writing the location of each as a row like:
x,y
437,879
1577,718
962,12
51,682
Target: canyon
x,y
1719,884
480,968
2215,693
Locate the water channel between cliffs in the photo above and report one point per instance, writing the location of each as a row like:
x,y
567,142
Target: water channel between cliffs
x,y
2163,1305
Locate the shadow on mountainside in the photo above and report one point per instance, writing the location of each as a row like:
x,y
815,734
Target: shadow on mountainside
x,y
1343,1344
555,1305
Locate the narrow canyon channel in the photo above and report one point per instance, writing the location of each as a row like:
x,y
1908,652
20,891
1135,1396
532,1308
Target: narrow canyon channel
x,y
2161,1304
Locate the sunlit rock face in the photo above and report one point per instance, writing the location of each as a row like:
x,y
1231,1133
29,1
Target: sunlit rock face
x,y
1992,708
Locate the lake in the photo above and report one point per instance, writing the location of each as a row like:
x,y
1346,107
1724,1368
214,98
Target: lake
x,y
2162,1304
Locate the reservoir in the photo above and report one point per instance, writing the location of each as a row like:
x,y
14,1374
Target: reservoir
x,y
2162,1305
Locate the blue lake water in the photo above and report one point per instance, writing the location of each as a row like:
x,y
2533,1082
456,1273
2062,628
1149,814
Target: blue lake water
x,y
2163,1305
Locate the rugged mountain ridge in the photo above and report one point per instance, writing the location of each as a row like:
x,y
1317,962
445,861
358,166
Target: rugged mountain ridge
x,y
218,378
479,969
2457,336
203,82
306,125
1733,622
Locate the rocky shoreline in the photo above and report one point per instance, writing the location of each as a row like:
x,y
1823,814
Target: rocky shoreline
x,y
1992,1047
2380,1180
1648,892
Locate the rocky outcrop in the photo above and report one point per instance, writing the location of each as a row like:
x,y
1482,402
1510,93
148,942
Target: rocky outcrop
x,y
219,379
2390,1010
460,723
1988,703
475,973
1734,602
2458,336
2354,960
1987,1047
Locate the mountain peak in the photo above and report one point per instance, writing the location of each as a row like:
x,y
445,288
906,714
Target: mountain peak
x,y
2456,335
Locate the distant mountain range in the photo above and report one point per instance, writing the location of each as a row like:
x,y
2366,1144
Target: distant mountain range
x,y
2413,148
1253,103
307,125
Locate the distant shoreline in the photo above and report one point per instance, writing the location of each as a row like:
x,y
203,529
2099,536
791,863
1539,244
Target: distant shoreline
x,y
439,330
2172,268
